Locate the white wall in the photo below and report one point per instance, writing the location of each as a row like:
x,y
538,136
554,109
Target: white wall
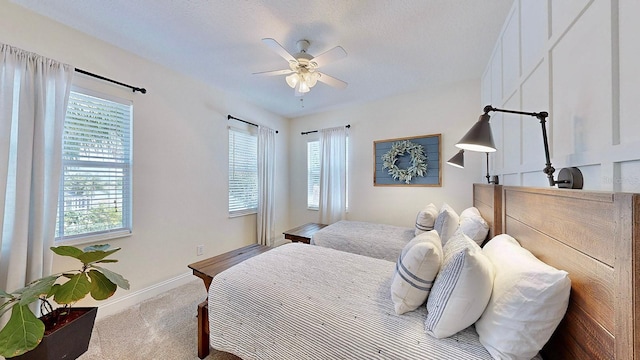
x,y
578,60
448,110
180,152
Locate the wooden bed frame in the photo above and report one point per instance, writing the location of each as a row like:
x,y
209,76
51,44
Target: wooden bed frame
x,y
592,236
487,199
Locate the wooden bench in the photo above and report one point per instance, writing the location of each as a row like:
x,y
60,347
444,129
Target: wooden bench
x,y
303,233
207,269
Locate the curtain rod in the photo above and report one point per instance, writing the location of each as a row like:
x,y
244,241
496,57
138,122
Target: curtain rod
x,y
315,131
142,90
229,117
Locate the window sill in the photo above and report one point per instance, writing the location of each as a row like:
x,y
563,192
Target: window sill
x,y
241,213
94,238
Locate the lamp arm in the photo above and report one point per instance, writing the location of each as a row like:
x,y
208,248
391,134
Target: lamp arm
x,y
549,170
495,177
534,114
542,116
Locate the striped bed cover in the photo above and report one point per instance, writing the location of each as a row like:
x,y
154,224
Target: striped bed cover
x,y
307,302
375,240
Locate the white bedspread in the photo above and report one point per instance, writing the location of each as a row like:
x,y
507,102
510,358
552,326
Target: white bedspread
x,y
380,241
307,302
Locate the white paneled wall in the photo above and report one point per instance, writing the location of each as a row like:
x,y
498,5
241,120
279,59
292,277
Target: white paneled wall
x,y
578,60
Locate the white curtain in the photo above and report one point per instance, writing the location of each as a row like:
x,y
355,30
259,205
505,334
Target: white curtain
x,y
333,175
34,92
266,184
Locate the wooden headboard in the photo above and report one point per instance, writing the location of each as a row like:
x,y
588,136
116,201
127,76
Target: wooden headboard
x,y
592,236
488,199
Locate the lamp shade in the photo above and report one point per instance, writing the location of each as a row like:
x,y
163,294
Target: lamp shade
x,y
457,160
292,80
479,137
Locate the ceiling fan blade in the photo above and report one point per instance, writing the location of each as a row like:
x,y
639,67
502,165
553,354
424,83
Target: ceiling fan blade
x,y
331,81
328,56
275,72
279,49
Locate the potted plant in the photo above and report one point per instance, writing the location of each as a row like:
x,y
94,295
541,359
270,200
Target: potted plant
x,y
24,332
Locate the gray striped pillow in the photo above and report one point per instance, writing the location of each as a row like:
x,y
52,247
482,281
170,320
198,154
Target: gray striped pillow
x,y
416,269
426,218
461,290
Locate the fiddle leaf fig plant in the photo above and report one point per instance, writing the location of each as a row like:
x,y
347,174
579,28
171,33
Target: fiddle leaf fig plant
x,y
24,331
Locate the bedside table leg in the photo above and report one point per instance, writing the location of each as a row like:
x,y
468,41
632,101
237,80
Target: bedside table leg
x,y
203,329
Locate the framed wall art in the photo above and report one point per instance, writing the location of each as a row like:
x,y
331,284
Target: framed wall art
x,y
409,161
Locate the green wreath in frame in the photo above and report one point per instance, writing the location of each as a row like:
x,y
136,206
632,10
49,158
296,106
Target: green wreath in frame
x,y
418,166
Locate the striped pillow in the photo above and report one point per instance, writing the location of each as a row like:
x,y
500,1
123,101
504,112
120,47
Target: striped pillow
x,y
416,269
426,218
461,290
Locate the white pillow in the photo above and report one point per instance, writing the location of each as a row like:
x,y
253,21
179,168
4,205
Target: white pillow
x,y
416,269
446,223
426,218
474,225
462,288
528,302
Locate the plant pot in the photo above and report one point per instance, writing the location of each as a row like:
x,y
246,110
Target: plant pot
x,y
68,342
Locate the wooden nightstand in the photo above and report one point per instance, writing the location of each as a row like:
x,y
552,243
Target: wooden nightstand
x,y
303,233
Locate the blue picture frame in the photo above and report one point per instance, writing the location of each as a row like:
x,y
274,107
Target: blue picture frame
x,y
432,149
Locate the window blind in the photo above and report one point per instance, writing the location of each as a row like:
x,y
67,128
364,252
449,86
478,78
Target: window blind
x,y
95,191
313,174
243,172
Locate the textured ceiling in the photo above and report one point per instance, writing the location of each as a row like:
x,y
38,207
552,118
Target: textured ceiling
x,y
393,46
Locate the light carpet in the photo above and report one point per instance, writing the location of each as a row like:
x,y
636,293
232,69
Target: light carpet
x,y
163,327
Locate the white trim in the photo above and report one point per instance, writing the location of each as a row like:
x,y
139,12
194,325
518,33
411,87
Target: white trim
x,y
107,307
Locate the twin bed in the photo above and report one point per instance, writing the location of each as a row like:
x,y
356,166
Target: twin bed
x,y
300,302
384,241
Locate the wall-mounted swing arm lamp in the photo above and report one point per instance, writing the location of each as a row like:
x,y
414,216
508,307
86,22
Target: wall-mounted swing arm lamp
x,y
491,179
480,138
458,161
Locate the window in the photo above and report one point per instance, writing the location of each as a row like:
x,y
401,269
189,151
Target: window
x,y
95,190
313,174
243,172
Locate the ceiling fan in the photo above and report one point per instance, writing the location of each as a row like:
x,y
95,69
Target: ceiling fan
x,y
303,73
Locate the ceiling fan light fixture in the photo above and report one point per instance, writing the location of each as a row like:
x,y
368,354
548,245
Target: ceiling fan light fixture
x,y
302,74
293,80
312,79
303,87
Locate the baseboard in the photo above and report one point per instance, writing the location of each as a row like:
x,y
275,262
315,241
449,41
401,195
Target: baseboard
x,y
108,307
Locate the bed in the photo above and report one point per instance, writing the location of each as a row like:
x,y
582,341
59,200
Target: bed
x,y
380,241
384,241
265,308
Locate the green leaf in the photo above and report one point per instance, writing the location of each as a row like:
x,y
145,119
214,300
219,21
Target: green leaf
x,y
6,306
71,251
101,287
22,333
93,256
104,261
3,294
32,292
102,247
114,277
73,290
